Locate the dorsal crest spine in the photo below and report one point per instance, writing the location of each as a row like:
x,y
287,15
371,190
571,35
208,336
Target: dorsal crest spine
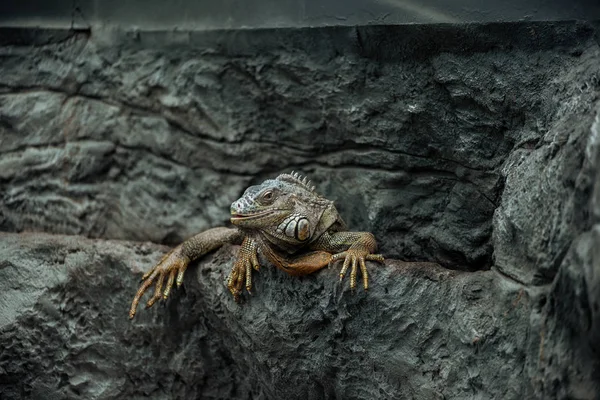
x,y
297,179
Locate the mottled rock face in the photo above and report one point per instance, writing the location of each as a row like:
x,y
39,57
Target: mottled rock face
x,y
152,136
475,147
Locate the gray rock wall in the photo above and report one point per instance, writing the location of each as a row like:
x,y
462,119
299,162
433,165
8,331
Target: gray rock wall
x,y
473,146
422,331
150,136
200,15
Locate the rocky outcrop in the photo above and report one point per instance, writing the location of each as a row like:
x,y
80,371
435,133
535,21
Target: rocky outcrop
x,y
151,136
421,331
473,147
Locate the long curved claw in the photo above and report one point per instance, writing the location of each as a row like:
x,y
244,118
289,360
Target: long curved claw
x,y
249,276
364,273
231,282
157,290
145,285
239,282
374,257
169,284
355,258
171,264
236,279
337,257
180,274
353,273
255,263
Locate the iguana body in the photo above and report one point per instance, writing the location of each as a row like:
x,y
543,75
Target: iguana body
x,y
285,220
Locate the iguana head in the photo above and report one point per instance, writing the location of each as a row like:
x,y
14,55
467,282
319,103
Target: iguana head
x,y
286,209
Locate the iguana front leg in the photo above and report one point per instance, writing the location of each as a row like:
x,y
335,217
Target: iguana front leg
x,y
241,272
248,259
354,248
177,260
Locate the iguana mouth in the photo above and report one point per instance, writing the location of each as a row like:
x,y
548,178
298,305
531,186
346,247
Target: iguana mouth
x,y
245,217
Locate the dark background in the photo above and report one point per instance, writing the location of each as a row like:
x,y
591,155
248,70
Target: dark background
x,y
189,14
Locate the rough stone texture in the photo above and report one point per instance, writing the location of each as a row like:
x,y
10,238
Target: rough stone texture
x,y
545,201
569,331
150,136
476,147
421,332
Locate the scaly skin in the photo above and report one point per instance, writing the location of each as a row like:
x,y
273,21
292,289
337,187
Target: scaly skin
x,y
284,219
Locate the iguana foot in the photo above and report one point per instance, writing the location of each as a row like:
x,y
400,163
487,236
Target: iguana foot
x,y
356,258
173,264
242,269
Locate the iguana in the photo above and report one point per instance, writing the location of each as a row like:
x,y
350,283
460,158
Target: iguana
x,y
285,220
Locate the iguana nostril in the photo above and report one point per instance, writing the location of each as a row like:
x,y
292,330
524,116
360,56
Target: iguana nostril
x,y
236,207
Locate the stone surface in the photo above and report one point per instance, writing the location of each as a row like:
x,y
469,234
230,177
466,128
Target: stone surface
x,y
476,147
150,136
570,329
548,178
420,332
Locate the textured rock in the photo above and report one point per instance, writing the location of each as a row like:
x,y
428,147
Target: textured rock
x,y
421,331
544,205
476,147
570,329
150,136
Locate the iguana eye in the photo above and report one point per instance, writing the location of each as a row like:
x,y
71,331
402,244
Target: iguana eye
x,y
267,196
